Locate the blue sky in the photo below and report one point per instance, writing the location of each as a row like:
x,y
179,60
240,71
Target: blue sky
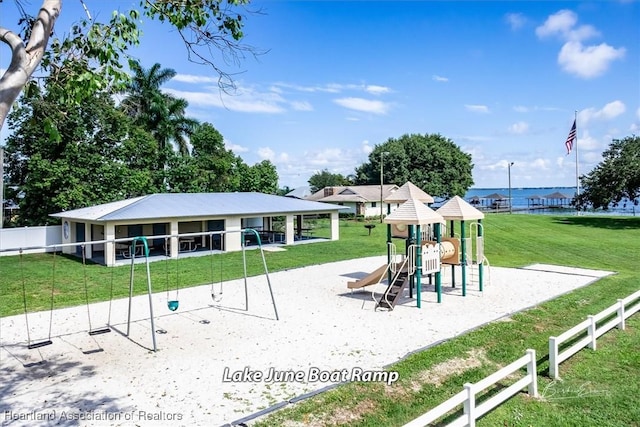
x,y
501,79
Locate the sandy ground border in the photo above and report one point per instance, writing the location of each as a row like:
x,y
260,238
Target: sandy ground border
x,y
111,379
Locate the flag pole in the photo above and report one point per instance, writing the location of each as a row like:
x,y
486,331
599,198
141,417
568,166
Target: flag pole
x,y
577,174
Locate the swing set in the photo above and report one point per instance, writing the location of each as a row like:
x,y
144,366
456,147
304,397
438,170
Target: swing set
x,y
173,301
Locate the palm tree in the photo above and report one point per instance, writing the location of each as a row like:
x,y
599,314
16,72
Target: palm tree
x,y
161,114
174,126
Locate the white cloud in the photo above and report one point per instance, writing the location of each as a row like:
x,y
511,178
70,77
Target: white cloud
x,y
501,164
587,61
235,147
245,100
190,78
519,128
437,78
609,111
515,20
562,24
477,108
366,147
331,88
283,157
525,109
540,164
474,138
377,90
361,104
266,153
588,143
301,106
638,113
327,156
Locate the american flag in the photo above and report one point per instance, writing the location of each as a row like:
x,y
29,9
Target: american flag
x,y
572,135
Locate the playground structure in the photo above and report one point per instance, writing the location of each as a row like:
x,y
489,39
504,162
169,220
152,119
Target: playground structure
x,y
133,245
428,247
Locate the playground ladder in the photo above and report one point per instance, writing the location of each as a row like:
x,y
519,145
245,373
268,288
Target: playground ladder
x,y
394,290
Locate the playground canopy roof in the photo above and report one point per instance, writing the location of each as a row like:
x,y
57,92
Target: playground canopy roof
x,y
177,205
407,192
414,212
456,209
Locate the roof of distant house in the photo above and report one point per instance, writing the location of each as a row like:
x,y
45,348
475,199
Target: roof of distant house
x,y
300,192
352,193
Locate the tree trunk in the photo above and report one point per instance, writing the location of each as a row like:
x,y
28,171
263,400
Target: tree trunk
x,y
25,59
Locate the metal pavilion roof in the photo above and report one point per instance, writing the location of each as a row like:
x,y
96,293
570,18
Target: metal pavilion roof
x,y
178,205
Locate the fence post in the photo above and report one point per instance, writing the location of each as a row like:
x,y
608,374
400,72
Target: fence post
x,y
591,331
553,358
531,372
470,405
621,325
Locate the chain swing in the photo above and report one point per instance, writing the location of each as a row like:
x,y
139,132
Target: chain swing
x,y
104,329
172,304
31,345
213,291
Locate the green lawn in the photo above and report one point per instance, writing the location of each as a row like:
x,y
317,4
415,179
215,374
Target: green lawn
x,y
599,388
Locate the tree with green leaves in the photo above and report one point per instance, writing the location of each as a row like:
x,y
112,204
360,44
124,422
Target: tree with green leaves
x,y
615,179
217,167
161,114
261,177
96,155
431,161
94,53
324,178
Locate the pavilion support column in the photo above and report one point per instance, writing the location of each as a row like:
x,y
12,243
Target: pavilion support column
x,y
109,247
288,230
335,226
88,248
175,244
233,239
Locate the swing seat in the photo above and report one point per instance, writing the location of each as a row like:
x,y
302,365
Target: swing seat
x,y
100,331
173,305
39,344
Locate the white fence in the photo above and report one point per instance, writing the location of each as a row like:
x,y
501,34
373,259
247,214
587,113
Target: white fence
x,y
623,309
29,237
467,397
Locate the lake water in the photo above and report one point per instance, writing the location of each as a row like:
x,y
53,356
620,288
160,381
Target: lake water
x,y
521,199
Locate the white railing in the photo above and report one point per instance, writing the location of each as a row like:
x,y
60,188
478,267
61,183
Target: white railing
x,y
467,397
623,309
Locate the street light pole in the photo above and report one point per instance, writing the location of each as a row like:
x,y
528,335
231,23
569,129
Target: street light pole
x,y
382,153
509,167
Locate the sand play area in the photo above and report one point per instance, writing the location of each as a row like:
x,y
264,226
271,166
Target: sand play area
x,y
215,361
